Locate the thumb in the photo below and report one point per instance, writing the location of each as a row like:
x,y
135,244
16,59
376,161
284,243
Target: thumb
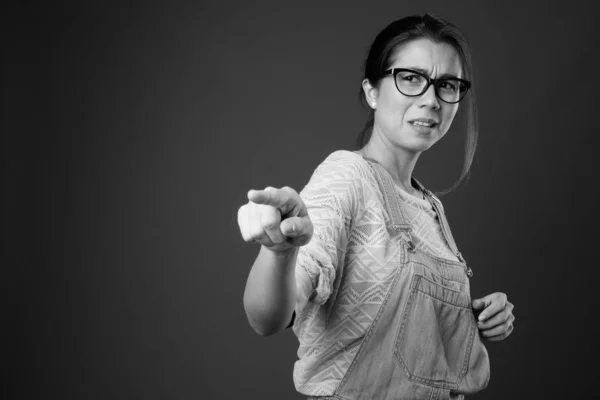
x,y
293,226
300,229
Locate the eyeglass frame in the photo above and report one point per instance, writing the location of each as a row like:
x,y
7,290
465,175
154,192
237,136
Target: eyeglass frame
x,y
430,81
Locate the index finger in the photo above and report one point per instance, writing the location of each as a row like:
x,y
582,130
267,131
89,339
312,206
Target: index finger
x,y
494,308
273,197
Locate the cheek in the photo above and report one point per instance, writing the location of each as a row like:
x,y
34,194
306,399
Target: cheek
x,y
397,110
448,118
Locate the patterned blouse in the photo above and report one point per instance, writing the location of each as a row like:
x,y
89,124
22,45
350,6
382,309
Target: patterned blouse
x,y
345,206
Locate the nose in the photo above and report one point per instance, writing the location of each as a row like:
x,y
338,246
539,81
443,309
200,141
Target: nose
x,y
429,98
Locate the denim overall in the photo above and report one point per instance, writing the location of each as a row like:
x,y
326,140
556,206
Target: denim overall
x,y
424,342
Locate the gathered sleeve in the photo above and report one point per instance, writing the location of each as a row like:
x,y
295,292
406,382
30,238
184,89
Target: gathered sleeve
x,y
332,197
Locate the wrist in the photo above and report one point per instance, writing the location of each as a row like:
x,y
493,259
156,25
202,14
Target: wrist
x,y
284,254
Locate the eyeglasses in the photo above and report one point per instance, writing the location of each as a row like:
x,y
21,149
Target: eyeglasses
x,y
413,83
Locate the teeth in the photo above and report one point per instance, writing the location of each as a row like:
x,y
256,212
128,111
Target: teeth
x,y
422,123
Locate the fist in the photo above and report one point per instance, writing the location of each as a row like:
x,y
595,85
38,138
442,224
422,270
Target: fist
x,y
495,318
276,219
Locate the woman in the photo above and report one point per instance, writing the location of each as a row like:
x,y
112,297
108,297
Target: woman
x,y
362,261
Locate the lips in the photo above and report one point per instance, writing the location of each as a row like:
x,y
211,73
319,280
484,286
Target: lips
x,y
425,122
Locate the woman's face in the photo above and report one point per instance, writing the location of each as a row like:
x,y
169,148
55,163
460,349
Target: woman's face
x,y
395,113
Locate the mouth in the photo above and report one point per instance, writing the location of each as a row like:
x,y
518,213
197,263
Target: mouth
x,y
423,126
425,123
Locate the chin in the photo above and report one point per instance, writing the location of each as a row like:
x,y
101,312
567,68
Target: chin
x,y
419,144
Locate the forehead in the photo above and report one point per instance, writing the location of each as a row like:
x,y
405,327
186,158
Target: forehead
x,y
435,58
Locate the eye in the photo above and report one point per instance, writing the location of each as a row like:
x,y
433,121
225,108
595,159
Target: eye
x,y
411,78
449,85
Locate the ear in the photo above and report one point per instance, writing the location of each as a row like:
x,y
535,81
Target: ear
x,y
371,93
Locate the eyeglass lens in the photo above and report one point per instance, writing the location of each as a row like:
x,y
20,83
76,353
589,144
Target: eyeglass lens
x,y
412,84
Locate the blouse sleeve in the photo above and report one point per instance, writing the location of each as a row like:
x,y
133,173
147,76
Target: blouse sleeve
x,y
332,200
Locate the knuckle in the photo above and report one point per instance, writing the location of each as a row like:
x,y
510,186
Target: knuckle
x,y
256,232
261,209
245,234
289,190
269,224
268,219
253,208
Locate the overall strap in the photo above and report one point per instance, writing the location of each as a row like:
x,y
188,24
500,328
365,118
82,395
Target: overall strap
x,y
437,206
393,206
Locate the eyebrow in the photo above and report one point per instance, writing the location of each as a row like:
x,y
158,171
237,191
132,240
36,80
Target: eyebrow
x,y
425,72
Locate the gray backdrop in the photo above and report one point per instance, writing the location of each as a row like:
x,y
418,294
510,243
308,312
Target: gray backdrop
x,y
132,134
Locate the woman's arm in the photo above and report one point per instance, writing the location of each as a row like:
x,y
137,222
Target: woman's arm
x,y
270,293
279,221
284,277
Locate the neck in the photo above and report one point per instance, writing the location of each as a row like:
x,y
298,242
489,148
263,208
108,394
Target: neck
x,y
399,162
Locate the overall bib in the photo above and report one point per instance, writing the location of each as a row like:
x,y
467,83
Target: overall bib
x,y
424,342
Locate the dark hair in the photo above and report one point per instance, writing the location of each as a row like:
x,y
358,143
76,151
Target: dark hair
x,y
380,56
